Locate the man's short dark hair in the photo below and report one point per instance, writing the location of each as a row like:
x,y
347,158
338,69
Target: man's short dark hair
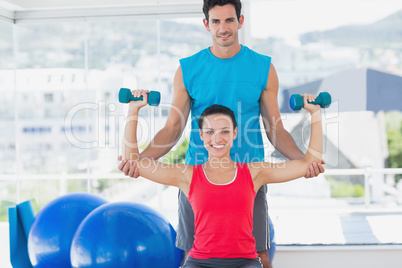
x,y
217,109
208,4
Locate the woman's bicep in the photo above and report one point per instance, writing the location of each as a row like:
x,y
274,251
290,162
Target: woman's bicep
x,y
160,172
282,172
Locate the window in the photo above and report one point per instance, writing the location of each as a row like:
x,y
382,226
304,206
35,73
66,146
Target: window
x,y
48,97
344,48
7,110
67,110
60,118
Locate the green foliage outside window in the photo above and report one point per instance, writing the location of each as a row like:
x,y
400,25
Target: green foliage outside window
x,y
341,188
177,156
394,134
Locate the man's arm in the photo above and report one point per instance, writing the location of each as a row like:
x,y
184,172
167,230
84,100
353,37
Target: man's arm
x,y
276,133
174,175
168,136
264,172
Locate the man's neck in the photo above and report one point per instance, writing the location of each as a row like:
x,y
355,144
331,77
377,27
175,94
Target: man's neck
x,y
225,52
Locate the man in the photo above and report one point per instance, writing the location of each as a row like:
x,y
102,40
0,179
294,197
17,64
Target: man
x,y
230,74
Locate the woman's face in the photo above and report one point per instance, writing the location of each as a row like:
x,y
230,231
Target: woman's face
x,y
218,134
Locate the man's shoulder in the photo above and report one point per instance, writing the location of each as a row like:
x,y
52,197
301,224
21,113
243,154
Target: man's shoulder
x,y
189,64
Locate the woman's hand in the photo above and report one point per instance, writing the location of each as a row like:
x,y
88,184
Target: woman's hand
x,y
135,106
312,108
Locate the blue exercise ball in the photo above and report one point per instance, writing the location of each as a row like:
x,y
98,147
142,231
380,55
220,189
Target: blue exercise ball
x,y
52,231
125,234
272,249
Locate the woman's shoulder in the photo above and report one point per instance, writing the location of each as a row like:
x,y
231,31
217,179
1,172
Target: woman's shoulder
x,y
256,167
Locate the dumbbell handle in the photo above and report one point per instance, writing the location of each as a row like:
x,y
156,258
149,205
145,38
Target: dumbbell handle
x,y
125,96
323,99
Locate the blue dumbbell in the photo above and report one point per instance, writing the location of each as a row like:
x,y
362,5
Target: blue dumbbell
x,y
323,99
125,96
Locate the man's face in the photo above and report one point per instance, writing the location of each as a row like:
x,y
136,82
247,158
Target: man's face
x,y
223,25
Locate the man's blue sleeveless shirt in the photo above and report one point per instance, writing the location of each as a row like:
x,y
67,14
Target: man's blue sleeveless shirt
x,y
237,83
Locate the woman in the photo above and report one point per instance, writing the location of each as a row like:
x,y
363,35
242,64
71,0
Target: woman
x,y
221,191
